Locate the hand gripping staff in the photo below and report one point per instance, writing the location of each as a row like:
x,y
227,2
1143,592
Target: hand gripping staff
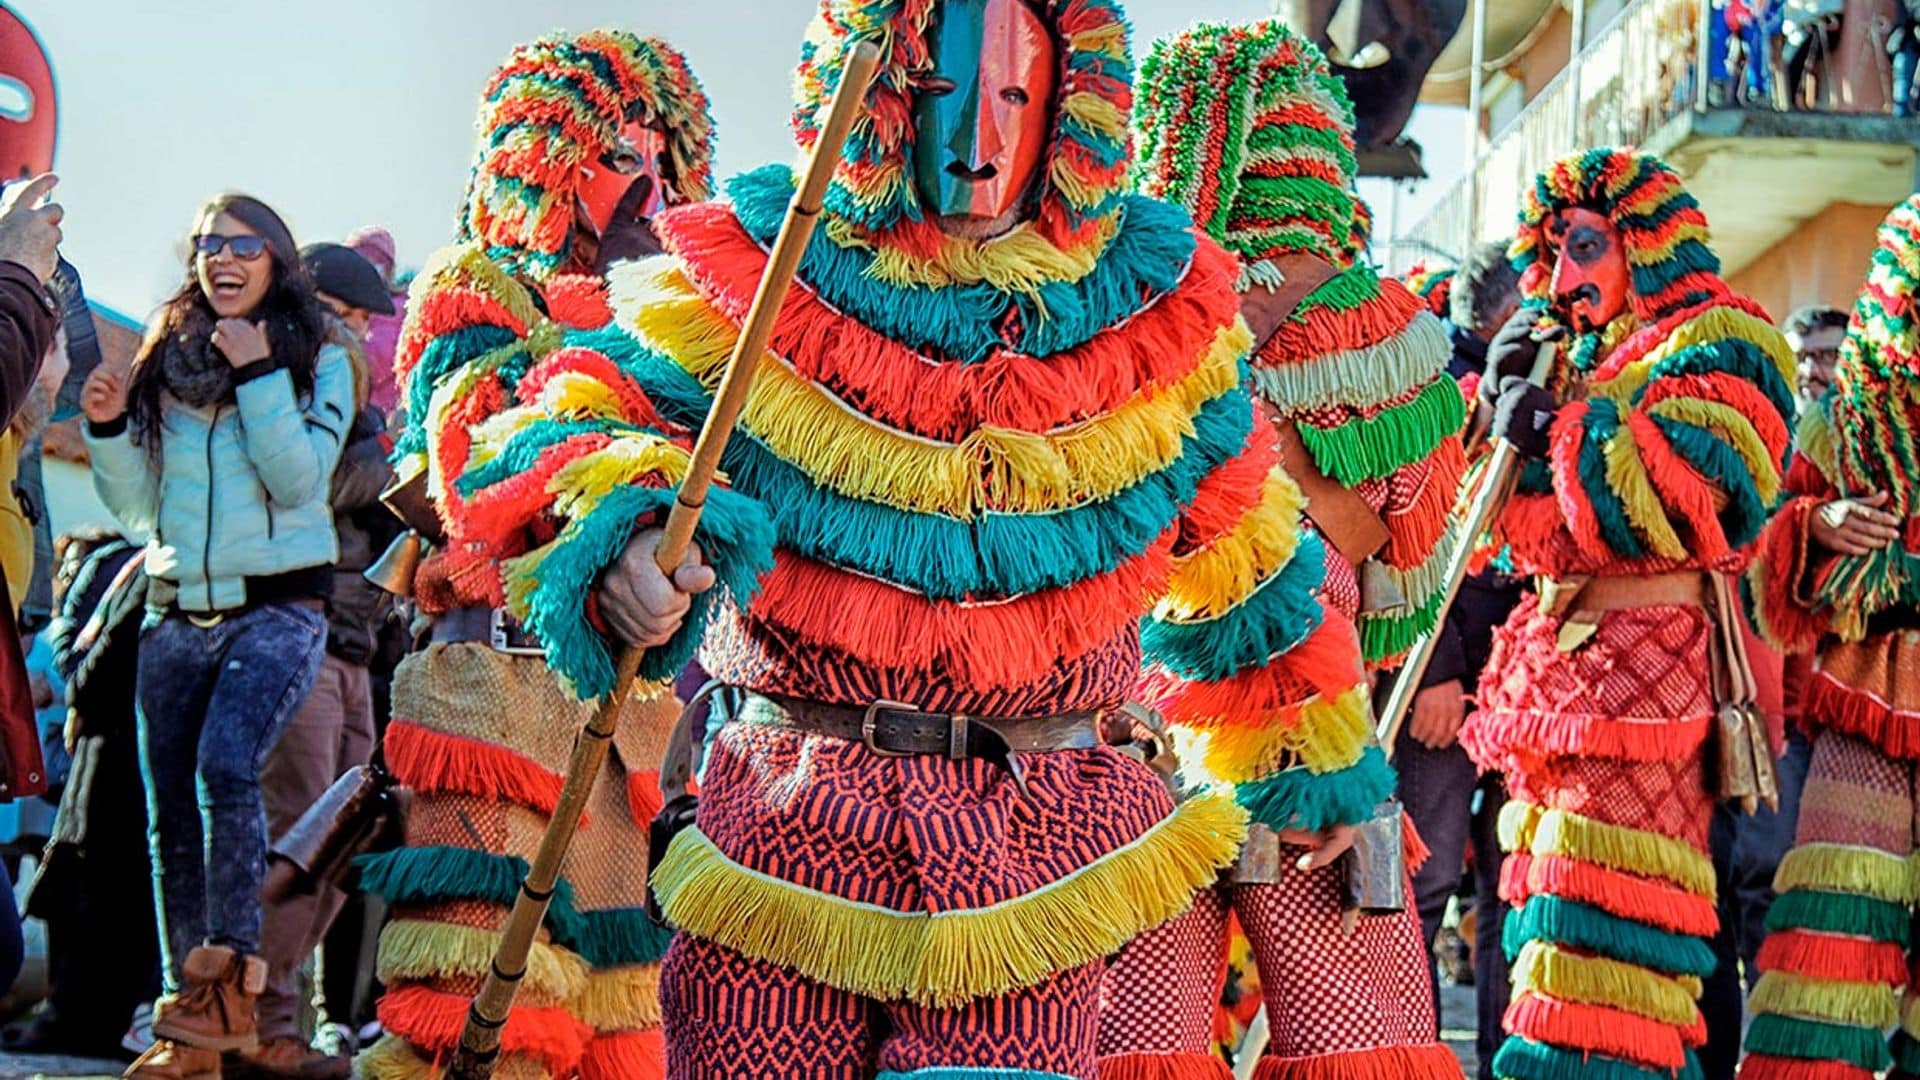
x,y
479,1047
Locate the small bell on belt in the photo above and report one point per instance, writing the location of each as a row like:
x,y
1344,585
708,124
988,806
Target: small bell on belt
x,y
395,569
1374,871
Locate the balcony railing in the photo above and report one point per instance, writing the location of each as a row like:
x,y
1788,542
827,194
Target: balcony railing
x,y
1634,76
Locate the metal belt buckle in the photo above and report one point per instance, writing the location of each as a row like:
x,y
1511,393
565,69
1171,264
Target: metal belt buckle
x,y
505,635
870,723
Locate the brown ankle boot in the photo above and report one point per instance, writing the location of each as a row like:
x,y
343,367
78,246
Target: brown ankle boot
x,y
168,1060
214,1010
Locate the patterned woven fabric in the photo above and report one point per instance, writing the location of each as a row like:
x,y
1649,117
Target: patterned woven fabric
x,y
1157,1009
1836,956
724,1009
478,724
1250,130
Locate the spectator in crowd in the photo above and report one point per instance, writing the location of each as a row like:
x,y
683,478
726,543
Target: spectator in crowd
x,y
1903,44
1814,334
103,954
29,316
383,328
1439,784
221,444
334,729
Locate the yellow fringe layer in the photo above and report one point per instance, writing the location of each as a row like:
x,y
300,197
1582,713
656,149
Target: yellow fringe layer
x,y
1322,735
992,469
1627,476
1814,440
1536,829
619,999
1909,1012
1735,429
1210,582
1021,261
947,959
1710,326
419,951
1844,868
392,1058
1856,1004
1596,980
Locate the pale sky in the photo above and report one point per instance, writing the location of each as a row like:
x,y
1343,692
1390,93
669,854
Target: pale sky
x,y
341,113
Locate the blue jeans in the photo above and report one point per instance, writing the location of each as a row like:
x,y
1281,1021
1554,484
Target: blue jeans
x,y
212,702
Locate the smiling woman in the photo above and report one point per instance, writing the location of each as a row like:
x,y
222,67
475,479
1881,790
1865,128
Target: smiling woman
x,y
221,443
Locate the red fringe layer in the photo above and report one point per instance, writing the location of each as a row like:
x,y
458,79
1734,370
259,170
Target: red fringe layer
x,y
1229,492
432,1020
1834,956
978,646
629,1055
1829,703
1317,330
1638,899
1779,562
1326,664
1604,1031
1417,522
644,799
899,387
429,760
1164,1067
1433,1061
1414,844
1768,1067
1542,734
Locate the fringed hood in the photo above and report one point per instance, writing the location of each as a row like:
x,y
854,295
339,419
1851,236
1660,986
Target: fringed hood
x,y
873,202
556,104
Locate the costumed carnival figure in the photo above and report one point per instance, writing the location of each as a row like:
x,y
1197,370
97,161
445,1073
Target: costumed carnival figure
x,y
1248,128
1003,417
1653,456
581,138
1838,574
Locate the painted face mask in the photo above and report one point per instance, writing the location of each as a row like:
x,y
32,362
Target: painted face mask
x,y
982,116
634,159
1591,281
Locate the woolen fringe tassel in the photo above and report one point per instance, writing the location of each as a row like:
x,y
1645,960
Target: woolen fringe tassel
x,y
415,949
1164,1067
432,1021
1524,1059
629,1055
1769,1067
619,999
948,959
1853,1003
1830,956
1433,1061
429,760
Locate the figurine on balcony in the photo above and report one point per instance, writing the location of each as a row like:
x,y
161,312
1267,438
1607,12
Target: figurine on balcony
x,y
1655,451
1249,130
1838,570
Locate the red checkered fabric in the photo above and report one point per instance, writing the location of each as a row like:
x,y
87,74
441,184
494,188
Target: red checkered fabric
x,y
1162,989
1666,797
729,1016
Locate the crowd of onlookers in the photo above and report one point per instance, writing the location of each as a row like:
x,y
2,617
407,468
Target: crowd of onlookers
x,y
191,699
1776,53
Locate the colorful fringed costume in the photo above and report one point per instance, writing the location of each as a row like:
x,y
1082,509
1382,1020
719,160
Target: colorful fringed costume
x,y
983,464
1665,453
1270,181
481,734
1840,949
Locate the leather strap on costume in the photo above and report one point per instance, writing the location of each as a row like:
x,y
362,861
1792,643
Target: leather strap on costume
x,y
495,628
1743,753
1340,513
893,729
1582,593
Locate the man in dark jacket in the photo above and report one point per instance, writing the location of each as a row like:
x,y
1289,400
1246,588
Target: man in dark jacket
x,y
334,729
1438,783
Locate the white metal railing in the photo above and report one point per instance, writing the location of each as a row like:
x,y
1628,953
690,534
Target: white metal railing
x,y
1631,78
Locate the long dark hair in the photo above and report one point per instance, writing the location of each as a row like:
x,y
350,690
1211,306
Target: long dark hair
x,y
296,321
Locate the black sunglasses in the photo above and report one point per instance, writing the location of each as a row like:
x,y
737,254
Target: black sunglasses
x,y
246,248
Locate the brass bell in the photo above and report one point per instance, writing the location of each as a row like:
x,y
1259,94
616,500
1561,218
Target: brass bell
x,y
396,567
1379,593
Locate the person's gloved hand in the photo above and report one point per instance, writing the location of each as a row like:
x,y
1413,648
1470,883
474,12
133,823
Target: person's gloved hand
x,y
1513,350
629,236
1523,415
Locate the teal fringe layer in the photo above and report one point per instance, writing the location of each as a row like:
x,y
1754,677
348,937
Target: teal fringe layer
x,y
944,558
426,875
1524,1059
1814,1040
1583,926
444,354
1840,913
1277,617
1299,798
1147,257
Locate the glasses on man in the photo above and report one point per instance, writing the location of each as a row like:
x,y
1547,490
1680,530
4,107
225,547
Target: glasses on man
x,y
244,248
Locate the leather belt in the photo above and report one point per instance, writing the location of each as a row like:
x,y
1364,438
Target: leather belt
x,y
894,729
493,627
1614,592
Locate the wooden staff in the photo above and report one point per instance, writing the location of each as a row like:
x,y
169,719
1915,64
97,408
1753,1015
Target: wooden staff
x,y
1496,487
479,1048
